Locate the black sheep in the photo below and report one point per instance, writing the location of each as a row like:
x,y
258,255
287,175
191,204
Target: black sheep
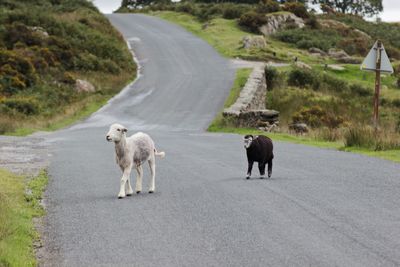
x,y
260,149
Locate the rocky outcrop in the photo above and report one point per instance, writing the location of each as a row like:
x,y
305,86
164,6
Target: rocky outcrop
x,y
84,86
257,41
280,20
249,109
314,50
342,57
342,27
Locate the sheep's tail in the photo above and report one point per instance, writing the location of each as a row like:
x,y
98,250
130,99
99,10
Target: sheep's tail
x,y
160,154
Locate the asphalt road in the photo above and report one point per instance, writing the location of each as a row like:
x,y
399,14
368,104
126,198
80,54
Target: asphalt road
x,y
321,207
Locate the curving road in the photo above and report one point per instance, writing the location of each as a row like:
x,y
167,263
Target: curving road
x,y
321,208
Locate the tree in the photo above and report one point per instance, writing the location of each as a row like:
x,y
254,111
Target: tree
x,y
356,7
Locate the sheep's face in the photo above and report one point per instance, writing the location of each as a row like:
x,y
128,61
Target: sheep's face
x,y
247,140
116,132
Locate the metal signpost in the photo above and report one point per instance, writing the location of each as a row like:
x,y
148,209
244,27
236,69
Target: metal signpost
x,y
377,61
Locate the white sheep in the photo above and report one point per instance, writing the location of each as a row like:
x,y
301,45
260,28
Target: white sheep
x,y
133,151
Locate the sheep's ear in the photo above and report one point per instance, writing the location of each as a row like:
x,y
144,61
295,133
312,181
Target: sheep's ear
x,y
124,130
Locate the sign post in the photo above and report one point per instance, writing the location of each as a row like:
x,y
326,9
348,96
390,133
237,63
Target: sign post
x,y
377,61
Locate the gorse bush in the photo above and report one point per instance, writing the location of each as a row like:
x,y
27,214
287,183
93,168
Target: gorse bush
x,y
316,116
252,21
301,77
298,9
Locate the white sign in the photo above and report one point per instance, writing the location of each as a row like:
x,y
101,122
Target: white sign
x,y
369,62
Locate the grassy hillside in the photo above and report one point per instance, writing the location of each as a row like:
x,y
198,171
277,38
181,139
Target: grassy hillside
x,y
45,45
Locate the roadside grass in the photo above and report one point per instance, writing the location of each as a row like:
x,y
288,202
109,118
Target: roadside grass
x,y
107,86
19,204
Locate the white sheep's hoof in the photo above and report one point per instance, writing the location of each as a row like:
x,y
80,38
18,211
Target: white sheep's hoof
x,y
262,176
151,191
121,196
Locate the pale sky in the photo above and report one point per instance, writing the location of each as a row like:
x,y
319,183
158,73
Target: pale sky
x,y
391,8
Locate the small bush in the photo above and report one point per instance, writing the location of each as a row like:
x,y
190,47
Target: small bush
x,y
252,21
298,9
312,22
232,11
186,8
24,105
315,117
271,77
300,77
268,6
360,90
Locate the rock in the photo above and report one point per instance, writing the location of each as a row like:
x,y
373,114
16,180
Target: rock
x,y
41,31
299,127
314,50
349,60
257,41
84,86
335,67
279,21
302,65
337,53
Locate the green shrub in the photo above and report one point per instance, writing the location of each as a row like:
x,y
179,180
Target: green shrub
x,y
271,77
298,9
312,22
252,21
233,11
315,116
360,90
186,8
24,105
300,77
334,84
306,38
268,6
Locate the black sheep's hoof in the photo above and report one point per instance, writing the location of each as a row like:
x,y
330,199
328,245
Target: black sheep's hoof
x,y
120,197
138,192
151,192
128,195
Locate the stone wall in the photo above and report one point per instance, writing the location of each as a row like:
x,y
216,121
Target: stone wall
x,y
249,109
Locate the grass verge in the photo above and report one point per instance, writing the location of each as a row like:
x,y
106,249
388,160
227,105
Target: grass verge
x,y
19,204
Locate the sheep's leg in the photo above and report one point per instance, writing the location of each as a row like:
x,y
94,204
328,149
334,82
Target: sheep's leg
x,y
125,177
269,168
139,177
128,187
153,175
261,168
249,169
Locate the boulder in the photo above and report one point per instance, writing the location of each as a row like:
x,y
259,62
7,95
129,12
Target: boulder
x,y
302,65
314,50
39,30
349,60
337,53
84,86
279,21
257,41
299,127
